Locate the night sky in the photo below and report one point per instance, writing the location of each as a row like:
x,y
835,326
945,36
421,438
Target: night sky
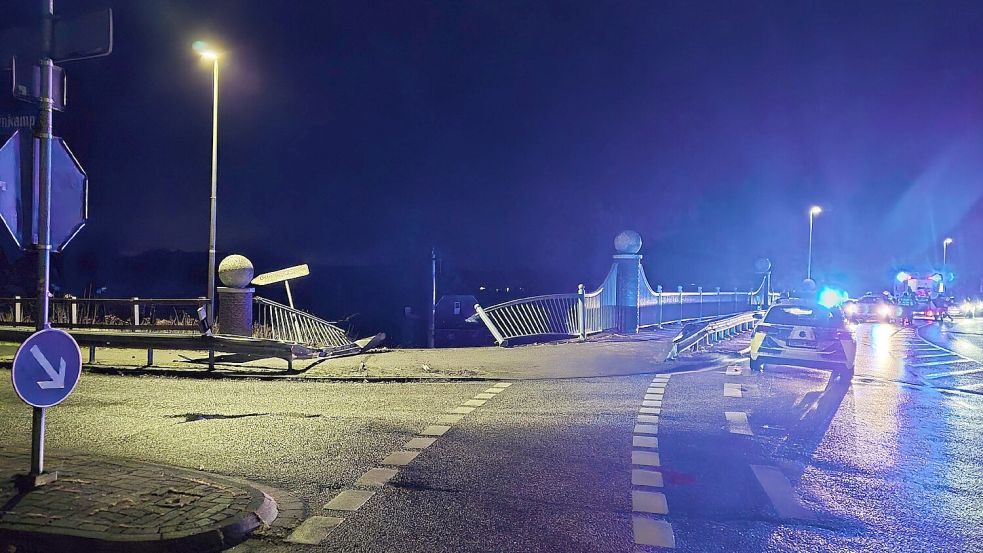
x,y
522,136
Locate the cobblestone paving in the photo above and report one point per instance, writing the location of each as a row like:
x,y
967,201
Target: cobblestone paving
x,y
118,500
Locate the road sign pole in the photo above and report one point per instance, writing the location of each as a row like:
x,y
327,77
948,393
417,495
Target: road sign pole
x,y
43,133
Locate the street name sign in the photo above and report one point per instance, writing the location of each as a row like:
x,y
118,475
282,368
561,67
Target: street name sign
x,y
283,274
46,368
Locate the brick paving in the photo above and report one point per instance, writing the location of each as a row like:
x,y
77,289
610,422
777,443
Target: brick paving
x,y
99,504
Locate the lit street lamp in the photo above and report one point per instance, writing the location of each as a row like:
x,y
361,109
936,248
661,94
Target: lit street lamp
x,y
945,247
813,211
208,53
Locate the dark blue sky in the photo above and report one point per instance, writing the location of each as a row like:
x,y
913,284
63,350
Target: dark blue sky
x,y
528,134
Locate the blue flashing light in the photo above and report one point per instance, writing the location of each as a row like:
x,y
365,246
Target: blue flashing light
x,y
831,297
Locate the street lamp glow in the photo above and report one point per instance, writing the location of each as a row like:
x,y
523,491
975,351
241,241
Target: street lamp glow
x,y
815,210
208,53
947,241
206,50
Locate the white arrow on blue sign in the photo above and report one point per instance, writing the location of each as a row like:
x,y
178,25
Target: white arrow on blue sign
x,y
47,367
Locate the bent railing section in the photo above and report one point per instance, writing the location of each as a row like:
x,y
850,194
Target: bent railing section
x,y
713,332
275,321
553,315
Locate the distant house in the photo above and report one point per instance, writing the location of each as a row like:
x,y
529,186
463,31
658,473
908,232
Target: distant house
x,y
452,328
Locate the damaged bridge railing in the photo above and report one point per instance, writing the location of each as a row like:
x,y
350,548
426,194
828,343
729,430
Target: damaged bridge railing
x,y
279,322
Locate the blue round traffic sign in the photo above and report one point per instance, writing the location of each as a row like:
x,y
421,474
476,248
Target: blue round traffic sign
x,y
47,367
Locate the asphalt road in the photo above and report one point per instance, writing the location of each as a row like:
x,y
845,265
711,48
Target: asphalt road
x,y
788,460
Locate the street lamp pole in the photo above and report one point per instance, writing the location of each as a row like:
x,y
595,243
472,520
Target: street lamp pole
x,y
813,211
209,54
945,247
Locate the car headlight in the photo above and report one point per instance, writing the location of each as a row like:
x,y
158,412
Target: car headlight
x,y
884,310
850,308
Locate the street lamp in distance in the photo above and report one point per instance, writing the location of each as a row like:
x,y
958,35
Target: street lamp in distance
x,y
945,248
813,211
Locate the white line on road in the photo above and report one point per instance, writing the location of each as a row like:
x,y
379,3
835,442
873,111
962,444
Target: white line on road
x,y
502,385
376,478
737,423
400,458
652,419
434,430
779,491
646,429
462,410
494,391
649,502
732,390
313,530
645,441
940,363
733,370
652,532
653,396
349,500
449,419
646,458
953,373
475,402
651,478
419,443
650,410
651,403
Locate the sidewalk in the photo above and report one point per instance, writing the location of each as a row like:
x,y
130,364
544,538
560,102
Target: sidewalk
x,y
113,505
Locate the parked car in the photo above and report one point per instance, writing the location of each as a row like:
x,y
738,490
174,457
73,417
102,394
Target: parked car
x,y
804,335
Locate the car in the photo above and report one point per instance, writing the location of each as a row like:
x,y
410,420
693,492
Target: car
x,y
871,308
803,335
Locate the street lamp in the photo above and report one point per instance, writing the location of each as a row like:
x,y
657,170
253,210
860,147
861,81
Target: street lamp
x,y
945,247
210,54
813,211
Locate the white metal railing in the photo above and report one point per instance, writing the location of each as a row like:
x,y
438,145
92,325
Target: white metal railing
x,y
713,332
276,321
553,315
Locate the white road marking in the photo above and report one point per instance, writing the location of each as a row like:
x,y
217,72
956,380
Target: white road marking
x,y
349,500
940,363
658,385
953,373
653,419
732,390
651,403
484,396
400,458
652,532
649,502
934,355
475,402
661,377
376,478
434,430
449,419
737,423
502,385
779,491
419,443
653,396
645,441
640,477
733,370
313,530
462,410
646,458
494,391
650,410
646,429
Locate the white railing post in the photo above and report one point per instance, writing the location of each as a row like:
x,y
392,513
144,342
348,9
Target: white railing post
x,y
581,312
18,310
680,290
700,290
74,310
136,311
488,323
658,290
718,301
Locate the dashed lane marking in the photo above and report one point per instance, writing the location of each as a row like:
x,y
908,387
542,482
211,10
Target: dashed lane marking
x,y
733,370
449,419
419,443
502,385
650,410
644,441
732,390
934,355
653,419
652,403
349,500
313,530
737,423
940,363
475,402
435,430
953,373
400,458
779,491
462,410
376,477
652,532
653,396
649,502
651,478
646,429
646,458
658,385
484,396
494,391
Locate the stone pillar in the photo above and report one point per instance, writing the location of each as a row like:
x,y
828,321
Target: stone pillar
x,y
235,310
628,264
235,300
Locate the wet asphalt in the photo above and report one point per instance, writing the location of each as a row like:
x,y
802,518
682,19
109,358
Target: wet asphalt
x,y
886,459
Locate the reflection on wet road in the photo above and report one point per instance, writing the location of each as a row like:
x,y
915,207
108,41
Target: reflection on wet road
x,y
888,460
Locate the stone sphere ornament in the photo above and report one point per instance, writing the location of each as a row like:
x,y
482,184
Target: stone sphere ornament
x,y
628,242
235,271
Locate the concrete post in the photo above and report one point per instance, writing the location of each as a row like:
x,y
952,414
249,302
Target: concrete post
x,y
235,310
627,291
581,313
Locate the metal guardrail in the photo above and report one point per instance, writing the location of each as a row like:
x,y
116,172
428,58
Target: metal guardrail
x,y
275,321
552,315
126,314
713,332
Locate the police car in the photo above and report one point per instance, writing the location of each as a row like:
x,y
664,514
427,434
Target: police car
x,y
804,335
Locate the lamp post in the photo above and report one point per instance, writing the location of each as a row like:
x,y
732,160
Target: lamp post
x,y
208,53
813,211
945,247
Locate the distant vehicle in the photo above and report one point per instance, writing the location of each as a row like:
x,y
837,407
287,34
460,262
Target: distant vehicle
x,y
803,335
969,308
872,308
